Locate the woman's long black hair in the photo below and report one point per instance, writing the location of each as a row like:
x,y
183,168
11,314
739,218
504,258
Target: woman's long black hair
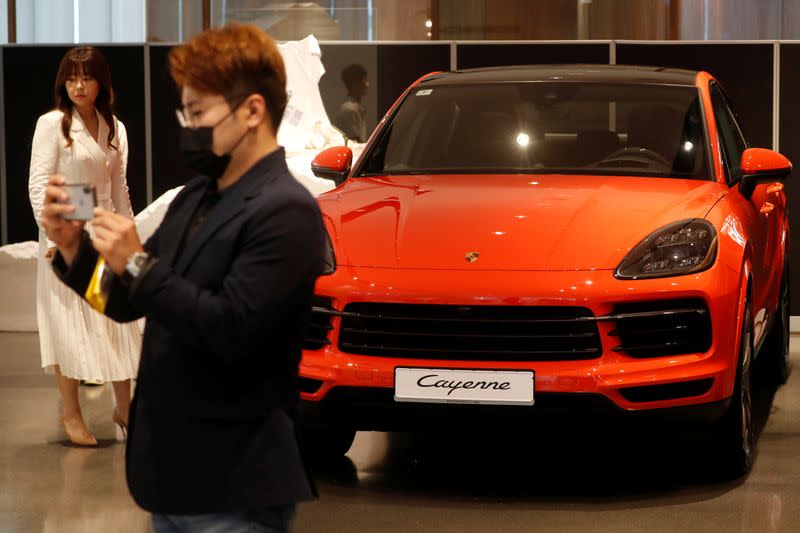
x,y
87,61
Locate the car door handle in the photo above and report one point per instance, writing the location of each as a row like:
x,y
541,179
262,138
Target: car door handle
x,y
775,188
767,208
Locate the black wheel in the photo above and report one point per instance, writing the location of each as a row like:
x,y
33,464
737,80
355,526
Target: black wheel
x,y
735,434
776,346
326,441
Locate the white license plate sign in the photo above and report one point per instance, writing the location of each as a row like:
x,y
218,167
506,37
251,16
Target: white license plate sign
x,y
440,385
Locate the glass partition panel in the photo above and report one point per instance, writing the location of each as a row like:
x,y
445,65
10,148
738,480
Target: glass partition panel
x,y
351,20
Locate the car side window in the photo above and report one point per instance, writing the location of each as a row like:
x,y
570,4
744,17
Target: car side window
x,y
730,135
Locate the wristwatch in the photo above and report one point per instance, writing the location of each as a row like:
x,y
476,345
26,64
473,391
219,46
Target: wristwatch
x,y
136,262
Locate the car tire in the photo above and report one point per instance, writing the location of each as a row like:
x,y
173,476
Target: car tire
x,y
326,441
776,346
734,436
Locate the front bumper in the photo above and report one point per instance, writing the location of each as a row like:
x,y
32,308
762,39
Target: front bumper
x,y
657,383
374,409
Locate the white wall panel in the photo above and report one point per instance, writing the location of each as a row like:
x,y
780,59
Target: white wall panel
x,y
128,21
93,22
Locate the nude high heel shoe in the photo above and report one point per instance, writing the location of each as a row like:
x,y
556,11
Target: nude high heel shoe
x,y
77,437
121,423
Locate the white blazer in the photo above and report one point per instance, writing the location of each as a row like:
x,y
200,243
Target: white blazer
x,y
85,344
85,161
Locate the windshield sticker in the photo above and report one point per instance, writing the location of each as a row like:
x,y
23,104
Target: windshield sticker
x,y
424,92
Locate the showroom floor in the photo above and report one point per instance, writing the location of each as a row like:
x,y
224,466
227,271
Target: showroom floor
x,y
560,479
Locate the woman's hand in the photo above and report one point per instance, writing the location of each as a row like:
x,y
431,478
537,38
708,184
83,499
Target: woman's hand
x,y
115,238
66,234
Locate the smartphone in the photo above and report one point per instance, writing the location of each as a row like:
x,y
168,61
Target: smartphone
x,y
83,197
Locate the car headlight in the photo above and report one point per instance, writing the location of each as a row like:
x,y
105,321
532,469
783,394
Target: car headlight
x,y
330,257
679,248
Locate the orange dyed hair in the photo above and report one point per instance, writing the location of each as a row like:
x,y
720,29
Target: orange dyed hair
x,y
234,61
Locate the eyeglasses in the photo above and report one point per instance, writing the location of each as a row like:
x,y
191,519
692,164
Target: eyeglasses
x,y
186,120
183,119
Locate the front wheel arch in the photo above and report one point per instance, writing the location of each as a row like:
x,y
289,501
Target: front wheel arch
x,y
735,436
745,293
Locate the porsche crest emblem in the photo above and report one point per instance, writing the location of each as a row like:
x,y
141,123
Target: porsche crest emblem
x,y
472,257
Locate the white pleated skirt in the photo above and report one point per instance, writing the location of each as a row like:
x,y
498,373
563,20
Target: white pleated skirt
x,y
84,343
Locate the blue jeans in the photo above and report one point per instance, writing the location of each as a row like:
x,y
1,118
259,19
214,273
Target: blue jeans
x,y
275,520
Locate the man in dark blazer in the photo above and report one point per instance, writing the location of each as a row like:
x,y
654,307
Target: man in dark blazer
x,y
225,283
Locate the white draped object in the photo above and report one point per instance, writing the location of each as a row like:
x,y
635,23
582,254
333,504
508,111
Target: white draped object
x,y
305,123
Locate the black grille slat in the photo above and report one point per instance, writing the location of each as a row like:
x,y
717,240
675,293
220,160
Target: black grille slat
x,y
449,332
650,332
650,313
663,328
468,351
666,345
478,321
472,335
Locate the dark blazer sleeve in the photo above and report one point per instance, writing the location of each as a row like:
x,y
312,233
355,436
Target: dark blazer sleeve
x,y
281,250
78,275
120,307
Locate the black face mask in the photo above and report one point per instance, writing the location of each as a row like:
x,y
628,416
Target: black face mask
x,y
196,145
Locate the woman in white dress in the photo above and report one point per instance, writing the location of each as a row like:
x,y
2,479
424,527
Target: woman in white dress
x,y
82,141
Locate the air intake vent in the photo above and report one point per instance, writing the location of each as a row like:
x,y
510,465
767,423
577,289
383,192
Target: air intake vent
x,y
669,391
658,329
320,325
308,385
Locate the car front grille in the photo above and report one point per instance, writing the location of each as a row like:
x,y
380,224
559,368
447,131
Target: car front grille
x,y
453,332
663,328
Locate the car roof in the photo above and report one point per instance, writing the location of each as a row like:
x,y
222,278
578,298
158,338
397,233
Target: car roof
x,y
585,73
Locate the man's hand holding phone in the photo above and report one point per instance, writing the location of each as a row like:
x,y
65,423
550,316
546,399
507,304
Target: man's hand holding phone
x,y
67,207
115,238
64,232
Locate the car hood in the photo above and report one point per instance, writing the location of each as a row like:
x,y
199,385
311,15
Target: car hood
x,y
504,222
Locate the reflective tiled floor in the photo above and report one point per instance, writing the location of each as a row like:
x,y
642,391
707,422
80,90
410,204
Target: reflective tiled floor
x,y
559,479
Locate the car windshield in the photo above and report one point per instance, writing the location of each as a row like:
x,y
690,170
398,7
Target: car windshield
x,y
545,127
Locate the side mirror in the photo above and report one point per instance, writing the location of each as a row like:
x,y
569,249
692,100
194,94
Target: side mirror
x,y
760,165
333,164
